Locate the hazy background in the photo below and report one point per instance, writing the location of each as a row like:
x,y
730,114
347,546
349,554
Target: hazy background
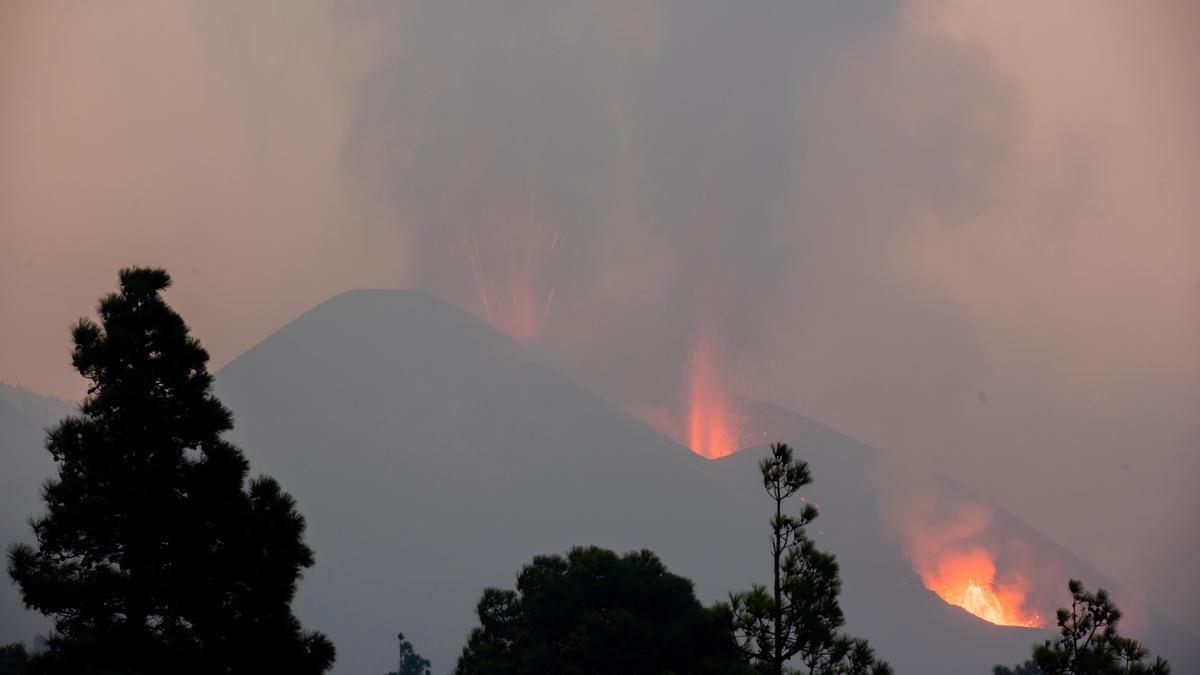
x,y
966,234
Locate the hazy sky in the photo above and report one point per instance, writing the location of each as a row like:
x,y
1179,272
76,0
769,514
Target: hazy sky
x,y
968,233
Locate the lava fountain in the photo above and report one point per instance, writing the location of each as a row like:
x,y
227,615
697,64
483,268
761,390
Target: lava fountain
x,y
711,429
957,551
509,263
967,580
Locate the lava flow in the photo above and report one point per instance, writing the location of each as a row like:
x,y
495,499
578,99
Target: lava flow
x,y
967,580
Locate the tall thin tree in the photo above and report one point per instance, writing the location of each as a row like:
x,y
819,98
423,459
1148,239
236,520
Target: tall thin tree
x,y
799,617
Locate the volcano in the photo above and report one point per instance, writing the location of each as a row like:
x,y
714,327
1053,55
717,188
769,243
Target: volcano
x,y
432,456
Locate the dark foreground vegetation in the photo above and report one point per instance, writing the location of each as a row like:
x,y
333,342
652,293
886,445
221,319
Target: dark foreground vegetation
x,y
597,612
1088,643
158,554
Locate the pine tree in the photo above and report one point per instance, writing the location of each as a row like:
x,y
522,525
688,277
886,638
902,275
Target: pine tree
x,y
799,617
410,663
1030,667
1088,642
155,555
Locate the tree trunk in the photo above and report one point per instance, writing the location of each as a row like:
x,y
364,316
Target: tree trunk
x,y
777,662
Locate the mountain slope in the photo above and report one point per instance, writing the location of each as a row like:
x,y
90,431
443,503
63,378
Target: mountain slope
x,y
24,466
432,460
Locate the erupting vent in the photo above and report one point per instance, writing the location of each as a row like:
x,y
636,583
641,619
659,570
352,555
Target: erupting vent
x,y
967,580
710,428
955,549
509,265
712,424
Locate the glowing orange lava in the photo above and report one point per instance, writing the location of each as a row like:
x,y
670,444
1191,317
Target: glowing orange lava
x,y
967,580
711,430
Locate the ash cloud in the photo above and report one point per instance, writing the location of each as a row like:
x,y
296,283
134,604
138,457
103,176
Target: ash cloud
x,y
706,168
871,214
953,234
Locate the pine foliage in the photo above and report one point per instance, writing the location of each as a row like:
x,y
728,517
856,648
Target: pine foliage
x,y
156,553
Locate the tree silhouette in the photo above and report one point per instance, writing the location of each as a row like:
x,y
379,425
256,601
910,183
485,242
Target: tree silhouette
x,y
411,663
1028,668
155,555
799,617
597,612
1088,643
13,659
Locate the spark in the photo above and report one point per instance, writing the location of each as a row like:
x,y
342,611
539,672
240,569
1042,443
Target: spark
x,y
487,308
549,299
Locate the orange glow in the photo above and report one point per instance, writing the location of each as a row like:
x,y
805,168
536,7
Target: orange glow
x,y
711,430
509,264
957,551
967,580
